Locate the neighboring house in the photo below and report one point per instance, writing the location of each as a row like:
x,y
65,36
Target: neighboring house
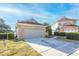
x,y
65,25
29,29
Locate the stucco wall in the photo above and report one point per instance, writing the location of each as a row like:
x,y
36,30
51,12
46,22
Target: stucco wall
x,y
29,30
62,26
70,29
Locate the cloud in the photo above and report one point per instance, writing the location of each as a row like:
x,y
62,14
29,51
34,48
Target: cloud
x,y
74,5
73,13
40,14
10,10
16,11
34,12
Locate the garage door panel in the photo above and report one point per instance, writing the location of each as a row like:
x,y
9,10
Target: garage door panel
x,y
32,34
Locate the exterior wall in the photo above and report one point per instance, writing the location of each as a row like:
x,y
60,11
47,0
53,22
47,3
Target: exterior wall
x,y
70,29
61,26
67,22
54,27
26,30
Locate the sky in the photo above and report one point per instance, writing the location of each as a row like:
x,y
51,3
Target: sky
x,y
42,12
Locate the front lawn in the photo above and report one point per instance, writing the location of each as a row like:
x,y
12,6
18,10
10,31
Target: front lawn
x,y
19,48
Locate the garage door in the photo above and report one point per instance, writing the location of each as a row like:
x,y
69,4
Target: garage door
x,y
33,34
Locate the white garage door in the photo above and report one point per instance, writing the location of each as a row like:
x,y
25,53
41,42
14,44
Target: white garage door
x,y
33,34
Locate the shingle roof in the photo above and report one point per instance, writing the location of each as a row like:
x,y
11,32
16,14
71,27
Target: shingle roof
x,y
30,21
72,25
65,18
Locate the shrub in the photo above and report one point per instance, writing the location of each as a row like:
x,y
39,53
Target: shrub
x,y
4,35
73,36
48,32
56,33
62,33
59,33
11,36
70,35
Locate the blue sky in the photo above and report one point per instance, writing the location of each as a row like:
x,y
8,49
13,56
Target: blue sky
x,y
46,12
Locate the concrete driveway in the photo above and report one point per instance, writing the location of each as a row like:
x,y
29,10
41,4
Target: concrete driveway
x,y
54,47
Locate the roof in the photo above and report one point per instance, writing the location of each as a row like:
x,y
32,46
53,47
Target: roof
x,y
30,21
72,25
65,18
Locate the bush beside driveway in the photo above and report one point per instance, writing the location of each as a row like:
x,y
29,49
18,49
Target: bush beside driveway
x,y
68,35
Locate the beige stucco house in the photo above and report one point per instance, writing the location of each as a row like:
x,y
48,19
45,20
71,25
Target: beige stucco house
x,y
65,25
29,29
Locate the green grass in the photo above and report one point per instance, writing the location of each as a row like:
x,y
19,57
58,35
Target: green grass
x,y
69,40
19,48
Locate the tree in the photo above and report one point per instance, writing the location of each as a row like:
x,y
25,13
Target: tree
x,y
46,24
4,27
48,30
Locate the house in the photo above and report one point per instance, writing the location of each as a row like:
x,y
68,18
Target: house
x,y
29,29
65,25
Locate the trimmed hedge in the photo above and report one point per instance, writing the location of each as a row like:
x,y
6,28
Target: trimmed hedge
x,y
4,35
70,35
59,33
73,36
